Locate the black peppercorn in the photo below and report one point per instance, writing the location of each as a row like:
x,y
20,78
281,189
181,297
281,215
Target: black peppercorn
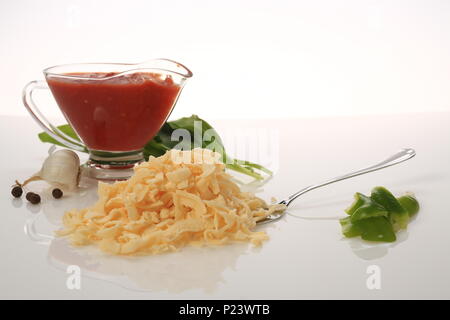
x,y
17,192
57,193
33,197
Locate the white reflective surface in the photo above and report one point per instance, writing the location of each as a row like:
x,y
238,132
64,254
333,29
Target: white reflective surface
x,y
306,256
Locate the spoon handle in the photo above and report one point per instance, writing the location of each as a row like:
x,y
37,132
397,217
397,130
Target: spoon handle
x,y
402,155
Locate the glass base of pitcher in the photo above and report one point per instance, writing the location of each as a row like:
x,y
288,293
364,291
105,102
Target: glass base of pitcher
x,y
106,165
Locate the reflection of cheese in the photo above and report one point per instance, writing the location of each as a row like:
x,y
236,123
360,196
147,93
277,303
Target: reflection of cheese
x,y
183,197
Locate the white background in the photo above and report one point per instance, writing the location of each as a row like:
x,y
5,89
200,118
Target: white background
x,y
249,58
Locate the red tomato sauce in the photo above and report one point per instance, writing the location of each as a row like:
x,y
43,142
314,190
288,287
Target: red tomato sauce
x,y
115,114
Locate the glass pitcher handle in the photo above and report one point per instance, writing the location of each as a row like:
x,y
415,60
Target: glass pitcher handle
x,y
54,132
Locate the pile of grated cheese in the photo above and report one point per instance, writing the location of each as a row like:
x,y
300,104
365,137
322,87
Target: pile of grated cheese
x,y
181,198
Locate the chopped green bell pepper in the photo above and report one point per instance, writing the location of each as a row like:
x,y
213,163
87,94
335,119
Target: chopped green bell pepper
x,y
376,229
364,208
398,215
378,217
371,229
349,229
410,204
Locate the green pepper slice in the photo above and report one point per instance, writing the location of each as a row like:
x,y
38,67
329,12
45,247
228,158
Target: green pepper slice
x,y
398,215
410,204
370,229
364,207
376,229
349,229
378,217
358,202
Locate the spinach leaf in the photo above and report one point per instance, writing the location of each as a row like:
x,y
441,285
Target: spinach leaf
x,y
201,135
67,129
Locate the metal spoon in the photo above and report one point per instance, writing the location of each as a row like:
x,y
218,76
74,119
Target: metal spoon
x,y
402,155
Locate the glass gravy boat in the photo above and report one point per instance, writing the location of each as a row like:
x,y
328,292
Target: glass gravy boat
x,y
114,108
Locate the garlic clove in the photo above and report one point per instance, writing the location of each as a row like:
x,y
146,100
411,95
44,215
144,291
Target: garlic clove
x,y
60,168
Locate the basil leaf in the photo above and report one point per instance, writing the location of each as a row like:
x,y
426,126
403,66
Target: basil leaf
x,y
201,134
65,128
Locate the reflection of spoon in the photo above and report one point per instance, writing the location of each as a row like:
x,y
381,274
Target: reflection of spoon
x,y
399,157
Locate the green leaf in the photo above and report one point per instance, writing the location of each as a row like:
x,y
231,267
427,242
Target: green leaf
x,y
67,129
201,133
